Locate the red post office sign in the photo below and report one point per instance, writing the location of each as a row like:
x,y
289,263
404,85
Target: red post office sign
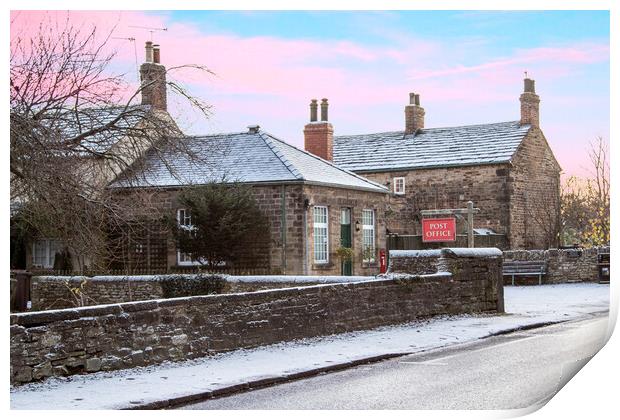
x,y
439,230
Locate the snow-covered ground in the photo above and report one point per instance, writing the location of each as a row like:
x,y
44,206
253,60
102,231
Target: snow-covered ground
x,y
525,305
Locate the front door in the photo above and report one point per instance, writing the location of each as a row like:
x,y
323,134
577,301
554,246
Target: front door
x,y
345,239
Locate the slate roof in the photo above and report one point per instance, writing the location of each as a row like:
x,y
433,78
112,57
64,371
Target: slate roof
x,y
70,126
430,148
242,157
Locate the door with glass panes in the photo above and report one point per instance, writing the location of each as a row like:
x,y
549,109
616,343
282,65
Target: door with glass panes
x,y
345,239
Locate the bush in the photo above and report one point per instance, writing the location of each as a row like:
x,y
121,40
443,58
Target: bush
x,y
195,285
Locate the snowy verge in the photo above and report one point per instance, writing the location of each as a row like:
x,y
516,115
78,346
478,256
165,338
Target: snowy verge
x,y
525,305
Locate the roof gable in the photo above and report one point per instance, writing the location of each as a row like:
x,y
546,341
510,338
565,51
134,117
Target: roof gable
x,y
430,148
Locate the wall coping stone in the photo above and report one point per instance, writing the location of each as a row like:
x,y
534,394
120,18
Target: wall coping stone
x,y
228,278
447,252
471,252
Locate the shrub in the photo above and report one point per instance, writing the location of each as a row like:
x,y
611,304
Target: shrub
x,y
195,285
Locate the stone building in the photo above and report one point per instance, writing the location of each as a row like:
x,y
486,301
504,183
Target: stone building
x,y
313,206
507,169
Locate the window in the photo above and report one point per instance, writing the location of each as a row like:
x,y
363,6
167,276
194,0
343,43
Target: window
x,y
368,236
184,218
321,235
44,252
399,185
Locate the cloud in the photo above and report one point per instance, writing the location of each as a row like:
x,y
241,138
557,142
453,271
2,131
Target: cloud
x,y
270,79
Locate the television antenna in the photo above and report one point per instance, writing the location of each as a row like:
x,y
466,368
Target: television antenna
x,y
135,52
150,29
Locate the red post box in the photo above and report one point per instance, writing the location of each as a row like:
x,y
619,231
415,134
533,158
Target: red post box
x,y
382,261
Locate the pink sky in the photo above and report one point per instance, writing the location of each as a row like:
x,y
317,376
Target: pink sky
x,y
269,80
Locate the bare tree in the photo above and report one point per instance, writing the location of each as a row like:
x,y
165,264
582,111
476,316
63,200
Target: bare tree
x,y
586,202
543,215
575,212
75,127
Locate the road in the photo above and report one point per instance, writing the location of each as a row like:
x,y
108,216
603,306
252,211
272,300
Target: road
x,y
504,372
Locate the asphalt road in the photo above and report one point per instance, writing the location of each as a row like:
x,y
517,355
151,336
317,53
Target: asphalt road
x,y
505,372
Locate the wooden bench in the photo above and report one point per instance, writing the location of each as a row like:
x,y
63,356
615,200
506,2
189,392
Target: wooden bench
x,y
525,268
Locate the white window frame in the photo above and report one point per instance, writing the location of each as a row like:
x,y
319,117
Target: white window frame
x,y
183,258
369,228
318,254
50,252
396,189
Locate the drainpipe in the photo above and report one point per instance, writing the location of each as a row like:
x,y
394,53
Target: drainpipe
x,y
283,226
305,238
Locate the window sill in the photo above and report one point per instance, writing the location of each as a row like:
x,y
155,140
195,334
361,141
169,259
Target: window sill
x,y
323,266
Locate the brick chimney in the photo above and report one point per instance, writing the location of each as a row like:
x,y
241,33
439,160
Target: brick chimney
x,y
529,104
414,114
153,78
319,135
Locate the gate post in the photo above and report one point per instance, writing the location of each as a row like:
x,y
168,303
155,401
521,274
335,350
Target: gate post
x,y
22,291
470,224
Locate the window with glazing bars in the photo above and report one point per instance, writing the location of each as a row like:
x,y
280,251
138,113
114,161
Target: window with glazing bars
x,y
44,252
399,185
321,234
184,218
368,236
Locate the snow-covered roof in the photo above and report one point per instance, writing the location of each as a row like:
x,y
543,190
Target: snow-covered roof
x,y
430,147
71,125
250,157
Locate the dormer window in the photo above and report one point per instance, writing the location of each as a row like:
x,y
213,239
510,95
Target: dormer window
x,y
399,185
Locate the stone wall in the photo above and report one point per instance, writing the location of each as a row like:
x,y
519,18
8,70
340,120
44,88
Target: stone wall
x,y
534,194
68,292
451,187
59,292
108,337
563,265
414,261
480,268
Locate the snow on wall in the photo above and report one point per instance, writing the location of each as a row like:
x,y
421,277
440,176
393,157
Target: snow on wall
x,y
472,252
297,279
416,253
229,278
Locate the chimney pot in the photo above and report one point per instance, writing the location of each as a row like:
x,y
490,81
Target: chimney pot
x,y
156,54
412,98
529,85
313,110
324,106
417,99
149,52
